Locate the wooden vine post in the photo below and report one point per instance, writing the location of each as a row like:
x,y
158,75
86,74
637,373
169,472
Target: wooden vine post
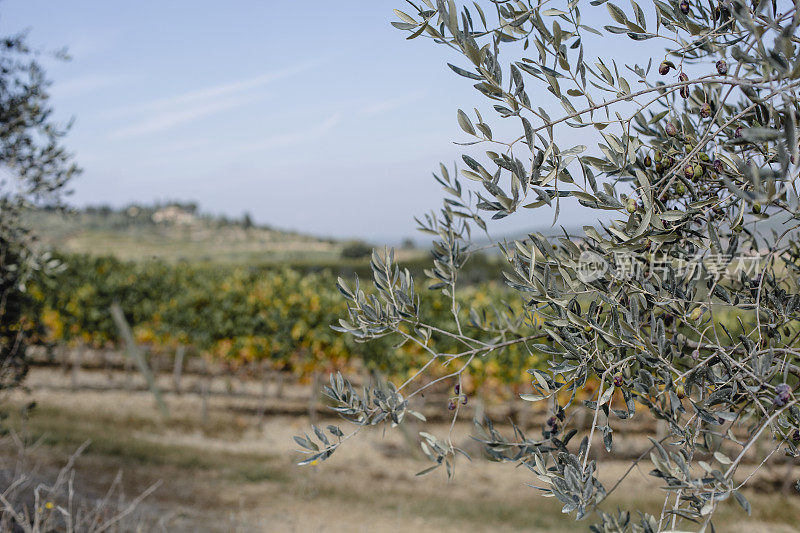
x,y
135,353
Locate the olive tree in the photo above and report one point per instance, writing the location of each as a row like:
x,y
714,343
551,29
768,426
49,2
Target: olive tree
x,y
681,300
34,168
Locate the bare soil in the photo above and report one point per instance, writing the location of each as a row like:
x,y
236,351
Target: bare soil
x,y
231,467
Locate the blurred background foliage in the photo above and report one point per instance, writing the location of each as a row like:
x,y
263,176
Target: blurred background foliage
x,y
277,315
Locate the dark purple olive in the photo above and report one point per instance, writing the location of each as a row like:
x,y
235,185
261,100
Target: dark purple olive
x,y
464,400
457,388
717,165
688,171
452,405
671,130
648,161
783,394
684,91
705,110
618,380
738,133
796,435
722,67
665,67
684,7
552,421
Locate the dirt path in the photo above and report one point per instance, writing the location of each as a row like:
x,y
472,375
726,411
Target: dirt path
x,y
232,475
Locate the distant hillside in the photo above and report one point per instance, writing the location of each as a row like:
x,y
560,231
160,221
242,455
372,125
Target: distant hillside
x,y
175,232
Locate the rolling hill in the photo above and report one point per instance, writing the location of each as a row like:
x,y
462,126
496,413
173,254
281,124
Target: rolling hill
x,y
174,232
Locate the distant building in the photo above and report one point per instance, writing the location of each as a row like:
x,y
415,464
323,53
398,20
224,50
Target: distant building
x,y
173,214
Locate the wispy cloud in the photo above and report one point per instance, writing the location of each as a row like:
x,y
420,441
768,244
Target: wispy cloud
x,y
177,146
167,112
237,148
165,121
305,134
390,104
85,84
88,41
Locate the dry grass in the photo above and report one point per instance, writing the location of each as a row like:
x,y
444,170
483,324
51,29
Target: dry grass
x,y
229,474
35,500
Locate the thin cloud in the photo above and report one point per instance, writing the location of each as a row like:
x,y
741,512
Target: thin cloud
x,y
84,84
183,145
391,104
165,113
85,42
295,137
165,121
206,93
227,151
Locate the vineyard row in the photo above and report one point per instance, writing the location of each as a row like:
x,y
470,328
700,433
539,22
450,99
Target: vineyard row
x,y
237,316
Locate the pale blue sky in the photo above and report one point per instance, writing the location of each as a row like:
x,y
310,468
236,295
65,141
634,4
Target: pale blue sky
x,y
312,115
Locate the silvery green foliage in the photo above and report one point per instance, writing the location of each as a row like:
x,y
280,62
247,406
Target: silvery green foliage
x,y
684,297
372,316
35,169
374,406
371,407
